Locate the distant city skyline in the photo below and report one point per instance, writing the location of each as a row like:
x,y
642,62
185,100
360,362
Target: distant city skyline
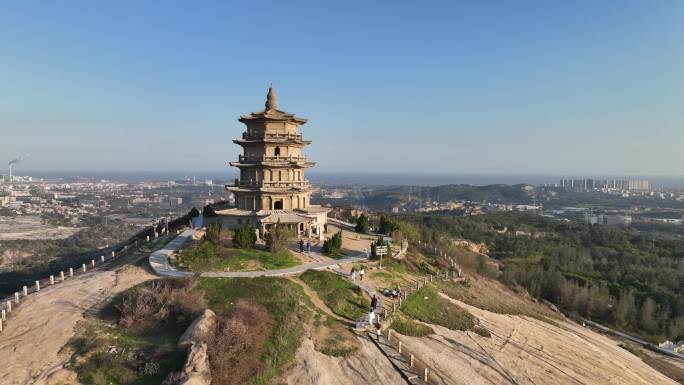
x,y
365,178
445,88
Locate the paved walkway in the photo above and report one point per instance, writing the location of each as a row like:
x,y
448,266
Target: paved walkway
x,y
159,262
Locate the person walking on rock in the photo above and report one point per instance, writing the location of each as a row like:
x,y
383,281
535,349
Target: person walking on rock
x,y
361,273
378,330
371,317
352,274
374,302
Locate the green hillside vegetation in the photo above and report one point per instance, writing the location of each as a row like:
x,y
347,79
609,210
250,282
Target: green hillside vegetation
x,y
288,308
384,200
621,277
260,324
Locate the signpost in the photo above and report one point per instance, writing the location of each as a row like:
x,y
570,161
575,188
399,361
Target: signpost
x,y
380,251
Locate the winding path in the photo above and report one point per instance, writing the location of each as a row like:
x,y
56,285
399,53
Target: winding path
x,y
159,262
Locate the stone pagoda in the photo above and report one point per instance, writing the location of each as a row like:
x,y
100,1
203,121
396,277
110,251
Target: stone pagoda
x,y
272,187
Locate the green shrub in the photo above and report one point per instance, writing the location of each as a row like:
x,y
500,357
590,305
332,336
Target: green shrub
x,y
244,237
278,237
213,234
362,224
334,244
387,225
200,256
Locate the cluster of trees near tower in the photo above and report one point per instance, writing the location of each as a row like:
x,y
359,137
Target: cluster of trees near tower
x,y
277,239
222,248
626,278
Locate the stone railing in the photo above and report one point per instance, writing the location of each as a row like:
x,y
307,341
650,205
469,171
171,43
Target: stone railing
x,y
271,158
271,184
97,261
11,303
272,135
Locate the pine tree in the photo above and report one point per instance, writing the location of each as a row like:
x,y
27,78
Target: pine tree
x,y
244,236
333,245
278,237
362,224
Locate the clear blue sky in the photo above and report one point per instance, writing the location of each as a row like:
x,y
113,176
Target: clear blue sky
x,y
554,87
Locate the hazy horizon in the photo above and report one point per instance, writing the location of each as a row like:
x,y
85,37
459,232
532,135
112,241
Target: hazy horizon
x,y
364,178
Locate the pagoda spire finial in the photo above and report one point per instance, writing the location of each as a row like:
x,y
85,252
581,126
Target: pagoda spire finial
x,y
271,99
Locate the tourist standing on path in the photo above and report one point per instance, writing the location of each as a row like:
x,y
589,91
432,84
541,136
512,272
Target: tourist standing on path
x,y
308,245
378,330
374,302
371,317
352,274
361,273
301,246
365,250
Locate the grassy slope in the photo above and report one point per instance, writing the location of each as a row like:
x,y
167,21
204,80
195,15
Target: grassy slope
x,y
427,306
286,303
342,297
241,259
333,338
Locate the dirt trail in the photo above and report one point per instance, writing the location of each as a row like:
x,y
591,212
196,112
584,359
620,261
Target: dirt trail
x,y
37,330
317,301
367,365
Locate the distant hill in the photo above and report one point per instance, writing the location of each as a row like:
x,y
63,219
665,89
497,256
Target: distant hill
x,y
385,199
